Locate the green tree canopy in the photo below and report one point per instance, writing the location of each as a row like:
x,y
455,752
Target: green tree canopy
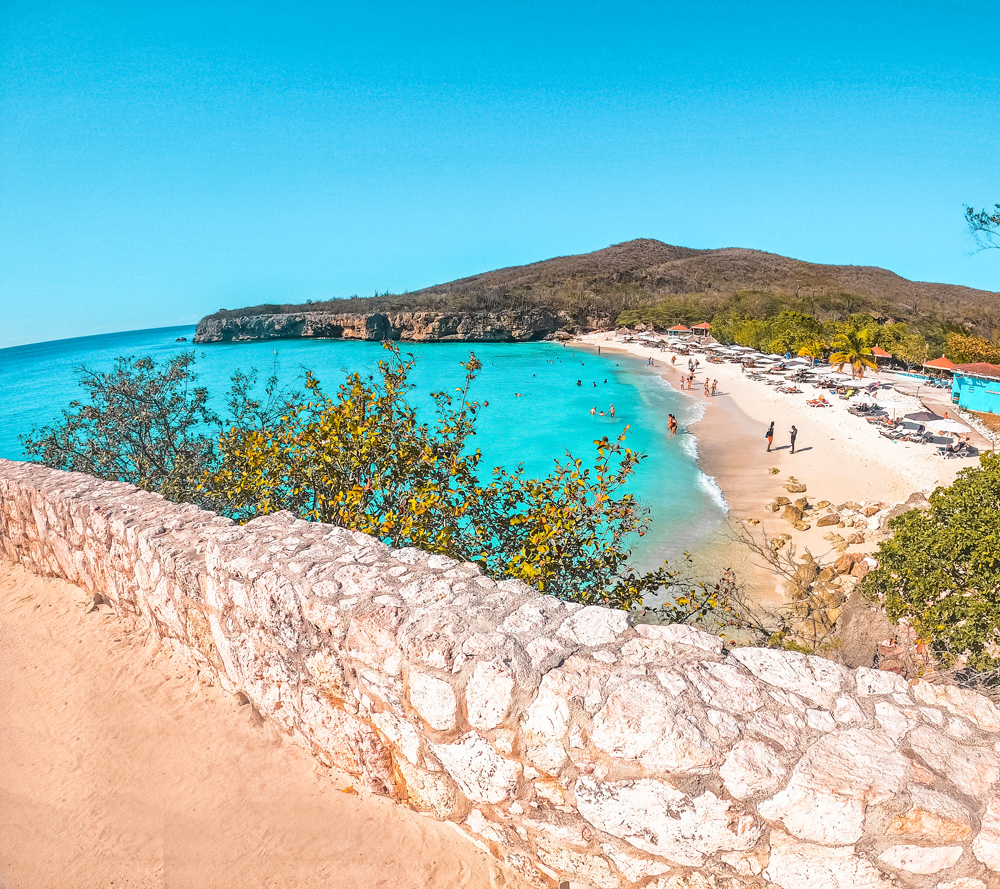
x,y
362,458
941,569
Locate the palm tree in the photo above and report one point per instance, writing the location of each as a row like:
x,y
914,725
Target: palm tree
x,y
813,348
852,348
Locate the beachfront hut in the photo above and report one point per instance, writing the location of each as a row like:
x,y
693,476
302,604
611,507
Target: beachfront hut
x,y
678,329
701,330
976,387
939,364
880,354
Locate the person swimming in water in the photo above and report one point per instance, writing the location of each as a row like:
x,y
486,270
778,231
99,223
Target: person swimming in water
x,y
672,424
611,411
593,410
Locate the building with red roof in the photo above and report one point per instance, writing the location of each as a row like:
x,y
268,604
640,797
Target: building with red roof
x,y
941,363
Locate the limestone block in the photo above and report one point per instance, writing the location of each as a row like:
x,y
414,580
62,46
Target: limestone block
x,y
658,818
725,686
983,712
820,721
481,773
533,615
921,859
832,784
639,722
371,638
425,790
401,735
545,724
488,694
895,721
596,871
879,682
434,699
795,864
681,634
632,867
816,679
594,625
973,770
986,846
751,768
580,680
933,815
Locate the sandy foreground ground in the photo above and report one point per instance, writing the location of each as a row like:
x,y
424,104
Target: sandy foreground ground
x,y
838,456
119,769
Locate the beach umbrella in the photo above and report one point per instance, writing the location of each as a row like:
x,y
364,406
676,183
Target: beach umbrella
x,y
921,417
947,426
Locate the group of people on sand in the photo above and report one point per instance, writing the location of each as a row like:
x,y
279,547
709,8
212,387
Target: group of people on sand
x,y
610,412
769,435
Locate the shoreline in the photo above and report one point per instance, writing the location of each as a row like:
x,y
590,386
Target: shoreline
x,y
839,458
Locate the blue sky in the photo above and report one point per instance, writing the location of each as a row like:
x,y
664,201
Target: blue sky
x,y
158,162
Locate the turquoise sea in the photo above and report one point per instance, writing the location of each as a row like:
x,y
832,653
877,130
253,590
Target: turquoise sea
x,y
551,417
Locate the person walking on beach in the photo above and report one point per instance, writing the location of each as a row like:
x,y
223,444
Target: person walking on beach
x,y
794,433
673,360
707,387
715,384
769,435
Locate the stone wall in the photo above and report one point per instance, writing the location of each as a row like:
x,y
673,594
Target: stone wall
x,y
564,739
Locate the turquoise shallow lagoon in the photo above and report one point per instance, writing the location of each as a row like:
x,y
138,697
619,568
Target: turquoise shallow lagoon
x,y
551,417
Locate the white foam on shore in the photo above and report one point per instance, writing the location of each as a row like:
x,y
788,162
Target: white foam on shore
x,y
693,411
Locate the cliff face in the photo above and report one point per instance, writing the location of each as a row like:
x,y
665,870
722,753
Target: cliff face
x,y
481,327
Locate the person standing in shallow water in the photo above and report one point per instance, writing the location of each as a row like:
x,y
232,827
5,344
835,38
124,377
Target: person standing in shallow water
x,y
769,435
794,434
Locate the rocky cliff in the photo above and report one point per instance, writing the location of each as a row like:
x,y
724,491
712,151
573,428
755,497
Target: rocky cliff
x,y
562,738
420,327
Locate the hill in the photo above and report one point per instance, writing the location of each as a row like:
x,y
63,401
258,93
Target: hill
x,y
683,285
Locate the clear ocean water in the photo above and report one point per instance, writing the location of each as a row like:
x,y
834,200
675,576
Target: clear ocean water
x,y
553,416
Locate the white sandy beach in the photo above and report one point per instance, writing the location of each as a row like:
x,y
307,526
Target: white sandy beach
x,y
120,768
840,457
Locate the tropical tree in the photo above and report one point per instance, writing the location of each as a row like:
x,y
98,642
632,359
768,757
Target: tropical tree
x,y
965,348
852,348
813,348
362,459
147,423
940,571
143,423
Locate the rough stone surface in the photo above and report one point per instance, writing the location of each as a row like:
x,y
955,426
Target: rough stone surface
x,y
921,859
567,741
488,327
